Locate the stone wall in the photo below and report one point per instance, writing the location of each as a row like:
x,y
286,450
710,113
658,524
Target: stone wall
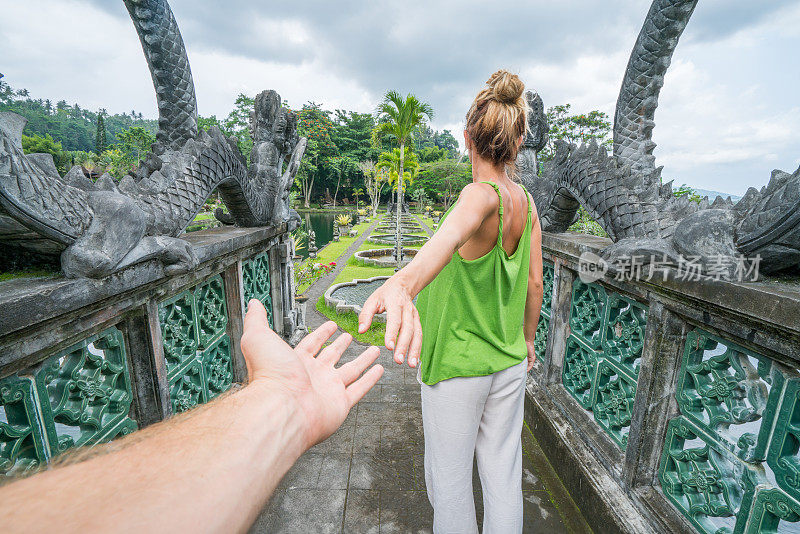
x,y
84,361
668,405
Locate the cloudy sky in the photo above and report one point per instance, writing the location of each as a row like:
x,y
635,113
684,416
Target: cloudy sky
x,y
728,115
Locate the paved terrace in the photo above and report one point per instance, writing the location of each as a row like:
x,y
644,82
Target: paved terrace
x,y
369,477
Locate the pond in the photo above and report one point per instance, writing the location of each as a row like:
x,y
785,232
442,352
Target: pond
x,y
322,224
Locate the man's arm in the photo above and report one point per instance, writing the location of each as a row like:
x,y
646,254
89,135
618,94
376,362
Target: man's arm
x,y
533,303
215,467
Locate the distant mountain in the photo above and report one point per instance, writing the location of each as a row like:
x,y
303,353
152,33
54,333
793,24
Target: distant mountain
x,y
714,194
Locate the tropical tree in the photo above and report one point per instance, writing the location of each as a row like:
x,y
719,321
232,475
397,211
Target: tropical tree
x,y
391,162
341,165
445,179
357,192
100,135
308,171
398,117
374,180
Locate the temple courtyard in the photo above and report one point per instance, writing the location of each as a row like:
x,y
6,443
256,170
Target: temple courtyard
x,y
369,476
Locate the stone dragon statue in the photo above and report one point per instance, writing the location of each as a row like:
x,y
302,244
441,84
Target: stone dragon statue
x,y
624,193
100,227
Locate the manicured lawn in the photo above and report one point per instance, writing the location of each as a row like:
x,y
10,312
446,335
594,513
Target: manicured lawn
x,y
349,323
355,269
331,252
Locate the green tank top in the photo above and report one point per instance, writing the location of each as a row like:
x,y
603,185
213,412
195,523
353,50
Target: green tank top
x,y
472,312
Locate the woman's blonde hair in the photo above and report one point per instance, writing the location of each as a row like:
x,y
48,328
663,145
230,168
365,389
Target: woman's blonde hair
x,y
498,117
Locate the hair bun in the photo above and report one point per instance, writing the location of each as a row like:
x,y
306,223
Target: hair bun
x,y
506,87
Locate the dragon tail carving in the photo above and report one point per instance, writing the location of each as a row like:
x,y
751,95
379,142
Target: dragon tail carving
x,y
169,67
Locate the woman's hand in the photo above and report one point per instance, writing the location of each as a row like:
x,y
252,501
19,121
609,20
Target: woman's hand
x,y
403,328
307,375
531,354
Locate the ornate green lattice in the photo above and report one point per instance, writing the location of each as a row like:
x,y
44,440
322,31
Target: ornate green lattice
x,y
613,404
771,510
548,277
256,283
703,480
580,368
21,445
741,414
196,345
79,396
601,361
540,341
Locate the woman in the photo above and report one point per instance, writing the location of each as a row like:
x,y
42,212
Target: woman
x,y
479,287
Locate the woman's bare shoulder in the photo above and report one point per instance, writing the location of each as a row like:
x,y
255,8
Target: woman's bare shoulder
x,y
479,195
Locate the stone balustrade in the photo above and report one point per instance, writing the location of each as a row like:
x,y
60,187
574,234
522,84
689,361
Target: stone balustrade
x,y
669,405
84,361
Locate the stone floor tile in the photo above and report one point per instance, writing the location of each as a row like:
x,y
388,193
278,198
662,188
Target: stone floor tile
x,y
302,511
405,512
362,512
382,470
304,473
406,393
339,441
334,471
367,438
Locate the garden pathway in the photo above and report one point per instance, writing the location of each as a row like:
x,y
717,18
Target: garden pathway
x,y
368,477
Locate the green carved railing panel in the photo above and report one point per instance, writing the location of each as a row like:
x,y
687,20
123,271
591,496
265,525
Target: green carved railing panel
x,y
256,283
784,449
186,387
623,336
196,346
613,405
771,511
580,368
705,481
178,329
217,368
548,278
540,341
89,392
79,396
587,313
542,327
740,413
212,315
729,390
21,443
602,355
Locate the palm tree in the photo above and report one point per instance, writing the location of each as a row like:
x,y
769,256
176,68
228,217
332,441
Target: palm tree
x,y
398,117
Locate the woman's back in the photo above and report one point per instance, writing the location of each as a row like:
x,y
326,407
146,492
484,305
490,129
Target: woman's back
x,y
515,210
472,312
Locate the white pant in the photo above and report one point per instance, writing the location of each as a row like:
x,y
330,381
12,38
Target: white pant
x,y
466,416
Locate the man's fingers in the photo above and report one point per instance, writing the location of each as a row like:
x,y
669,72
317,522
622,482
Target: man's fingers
x,y
310,345
331,354
353,369
406,333
368,311
394,316
416,343
256,316
359,388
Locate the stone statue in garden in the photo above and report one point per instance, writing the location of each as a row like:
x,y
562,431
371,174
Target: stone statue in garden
x,y
101,227
624,193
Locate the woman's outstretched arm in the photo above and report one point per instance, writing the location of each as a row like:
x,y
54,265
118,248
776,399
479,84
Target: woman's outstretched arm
x,y
213,468
533,303
403,330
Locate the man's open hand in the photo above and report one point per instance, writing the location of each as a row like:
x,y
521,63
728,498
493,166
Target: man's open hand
x,y
307,374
